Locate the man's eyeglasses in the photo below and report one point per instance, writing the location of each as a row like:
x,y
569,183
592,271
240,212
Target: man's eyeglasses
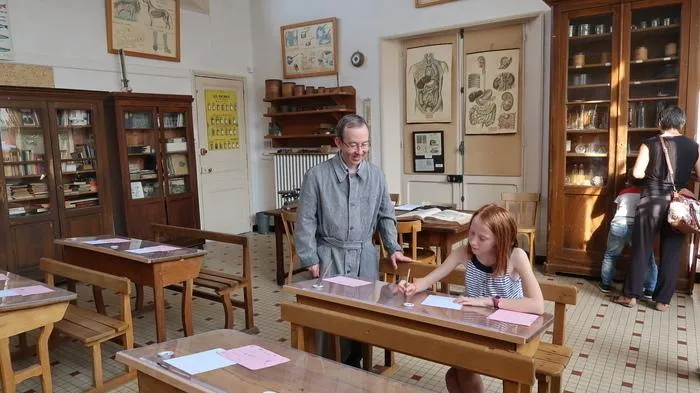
x,y
355,146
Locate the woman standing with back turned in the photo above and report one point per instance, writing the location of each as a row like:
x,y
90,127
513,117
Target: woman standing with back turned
x,y
651,216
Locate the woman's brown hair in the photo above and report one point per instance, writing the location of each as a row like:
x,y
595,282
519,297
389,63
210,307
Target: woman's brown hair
x,y
502,224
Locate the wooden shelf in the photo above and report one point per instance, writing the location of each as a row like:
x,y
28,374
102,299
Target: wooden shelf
x,y
655,60
71,194
589,155
73,127
653,98
78,159
25,177
590,66
139,154
139,129
308,96
589,131
320,111
23,162
308,136
10,200
654,30
79,172
589,86
653,81
580,39
642,129
588,102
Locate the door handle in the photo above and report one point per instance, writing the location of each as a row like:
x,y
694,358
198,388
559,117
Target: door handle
x,y
203,151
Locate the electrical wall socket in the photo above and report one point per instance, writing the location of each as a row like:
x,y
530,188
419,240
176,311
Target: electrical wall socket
x,y
454,178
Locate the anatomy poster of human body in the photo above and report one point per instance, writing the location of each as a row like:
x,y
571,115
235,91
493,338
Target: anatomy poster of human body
x,y
429,84
309,48
492,92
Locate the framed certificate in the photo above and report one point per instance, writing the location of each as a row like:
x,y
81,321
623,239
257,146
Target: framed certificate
x,y
428,152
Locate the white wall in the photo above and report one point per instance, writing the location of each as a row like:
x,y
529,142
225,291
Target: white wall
x,y
70,35
362,24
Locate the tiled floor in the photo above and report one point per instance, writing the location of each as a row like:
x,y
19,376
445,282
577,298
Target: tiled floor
x,y
615,349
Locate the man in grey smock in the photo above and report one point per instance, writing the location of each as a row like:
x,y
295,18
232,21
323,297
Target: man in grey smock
x,y
342,202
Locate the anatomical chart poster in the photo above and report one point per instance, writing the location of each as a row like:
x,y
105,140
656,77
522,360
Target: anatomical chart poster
x,y
492,92
429,84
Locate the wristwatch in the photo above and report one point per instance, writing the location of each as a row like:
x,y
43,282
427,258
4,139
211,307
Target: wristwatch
x,y
496,300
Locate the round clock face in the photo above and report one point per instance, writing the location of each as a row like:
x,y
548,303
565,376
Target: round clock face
x,y
357,59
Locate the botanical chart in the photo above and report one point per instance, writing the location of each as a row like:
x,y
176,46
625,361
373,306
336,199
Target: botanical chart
x,y
492,92
429,84
222,119
5,36
144,28
309,48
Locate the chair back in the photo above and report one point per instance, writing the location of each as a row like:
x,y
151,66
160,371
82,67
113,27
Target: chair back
x,y
412,228
395,199
524,206
289,219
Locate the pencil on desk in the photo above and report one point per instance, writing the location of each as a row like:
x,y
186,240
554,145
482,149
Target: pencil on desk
x,y
408,276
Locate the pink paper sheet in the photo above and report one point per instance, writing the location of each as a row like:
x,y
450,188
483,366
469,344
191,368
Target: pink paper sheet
x,y
253,357
347,281
518,318
3,277
32,290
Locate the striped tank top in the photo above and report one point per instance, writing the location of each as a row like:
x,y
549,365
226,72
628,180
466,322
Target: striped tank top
x,y
480,282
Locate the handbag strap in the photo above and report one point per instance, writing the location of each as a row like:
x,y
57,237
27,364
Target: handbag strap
x,y
668,163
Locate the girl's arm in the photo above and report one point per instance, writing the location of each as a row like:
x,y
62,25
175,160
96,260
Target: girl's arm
x,y
453,260
640,166
533,302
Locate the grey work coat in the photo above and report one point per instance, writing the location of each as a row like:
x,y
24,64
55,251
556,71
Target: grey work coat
x,y
337,215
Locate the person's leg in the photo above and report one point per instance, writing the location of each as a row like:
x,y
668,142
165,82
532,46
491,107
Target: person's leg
x,y
645,226
650,278
351,352
463,381
617,237
671,245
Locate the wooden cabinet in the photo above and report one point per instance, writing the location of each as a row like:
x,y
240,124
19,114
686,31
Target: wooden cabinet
x,y
54,180
615,65
308,120
154,168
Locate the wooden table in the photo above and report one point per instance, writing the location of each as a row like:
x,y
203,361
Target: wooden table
x,y
434,234
156,269
303,373
20,314
374,314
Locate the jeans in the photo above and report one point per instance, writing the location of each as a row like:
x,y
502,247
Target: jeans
x,y
619,235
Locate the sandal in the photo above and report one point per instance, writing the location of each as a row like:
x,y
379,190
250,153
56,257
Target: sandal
x,y
661,306
628,302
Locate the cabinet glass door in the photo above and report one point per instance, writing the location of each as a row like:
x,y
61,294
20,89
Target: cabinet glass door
x,y
25,162
141,150
79,166
175,151
588,100
655,42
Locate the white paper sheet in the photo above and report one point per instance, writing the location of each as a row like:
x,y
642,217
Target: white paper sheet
x,y
153,249
106,241
201,362
407,207
442,302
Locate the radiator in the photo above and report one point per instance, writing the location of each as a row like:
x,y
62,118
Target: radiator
x,y
290,170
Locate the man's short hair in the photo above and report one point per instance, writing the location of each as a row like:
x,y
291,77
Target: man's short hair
x,y
672,117
348,121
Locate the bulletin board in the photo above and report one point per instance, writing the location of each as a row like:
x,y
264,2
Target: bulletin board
x,y
479,157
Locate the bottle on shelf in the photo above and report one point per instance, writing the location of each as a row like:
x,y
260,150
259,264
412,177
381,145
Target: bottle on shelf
x,y
641,116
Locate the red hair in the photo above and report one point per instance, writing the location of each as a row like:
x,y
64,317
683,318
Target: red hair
x,y
505,230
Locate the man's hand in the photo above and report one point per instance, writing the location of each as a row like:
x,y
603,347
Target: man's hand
x,y
399,257
314,270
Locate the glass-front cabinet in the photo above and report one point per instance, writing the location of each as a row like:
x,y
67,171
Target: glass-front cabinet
x,y
615,65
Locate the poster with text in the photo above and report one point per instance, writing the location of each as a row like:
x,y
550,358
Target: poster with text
x,y
222,119
492,80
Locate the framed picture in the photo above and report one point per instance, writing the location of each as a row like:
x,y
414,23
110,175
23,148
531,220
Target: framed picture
x,y
144,28
429,84
492,79
29,118
310,48
428,3
428,152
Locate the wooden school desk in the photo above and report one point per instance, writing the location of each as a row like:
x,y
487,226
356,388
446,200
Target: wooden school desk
x,y
20,314
155,269
303,373
374,314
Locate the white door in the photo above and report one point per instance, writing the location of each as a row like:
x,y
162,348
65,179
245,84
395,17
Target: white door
x,y
223,161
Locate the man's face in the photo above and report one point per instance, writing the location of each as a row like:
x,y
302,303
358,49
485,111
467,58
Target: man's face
x,y
355,145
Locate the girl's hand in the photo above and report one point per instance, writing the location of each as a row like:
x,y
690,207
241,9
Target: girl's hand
x,y
474,301
408,289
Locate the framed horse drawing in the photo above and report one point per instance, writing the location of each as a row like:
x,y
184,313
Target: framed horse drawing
x,y
144,28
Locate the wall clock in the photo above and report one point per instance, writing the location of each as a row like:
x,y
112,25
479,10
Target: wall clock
x,y
357,59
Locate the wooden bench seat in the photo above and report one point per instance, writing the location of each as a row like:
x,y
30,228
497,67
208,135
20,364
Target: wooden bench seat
x,y
551,359
88,326
215,285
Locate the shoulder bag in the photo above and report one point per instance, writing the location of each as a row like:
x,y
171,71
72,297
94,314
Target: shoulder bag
x,y
684,210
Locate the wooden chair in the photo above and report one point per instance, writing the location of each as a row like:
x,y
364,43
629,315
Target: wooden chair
x,y
395,199
289,219
422,255
223,285
550,359
525,208
91,328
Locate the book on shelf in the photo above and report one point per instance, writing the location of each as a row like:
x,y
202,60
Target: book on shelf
x,y
177,165
436,214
